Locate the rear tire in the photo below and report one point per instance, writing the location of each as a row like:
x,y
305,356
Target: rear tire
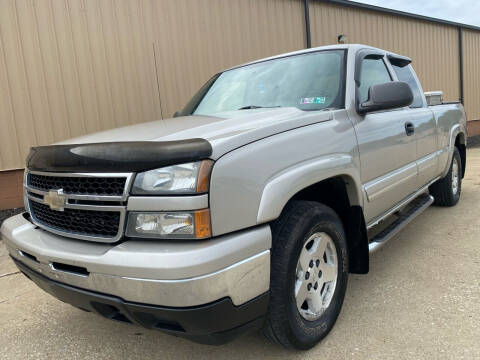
x,y
307,238
447,190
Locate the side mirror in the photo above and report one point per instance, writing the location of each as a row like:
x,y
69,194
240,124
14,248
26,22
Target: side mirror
x,y
177,114
390,95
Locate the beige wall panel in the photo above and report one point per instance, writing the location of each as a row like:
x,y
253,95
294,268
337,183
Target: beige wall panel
x,y
10,153
18,83
35,76
69,72
72,67
100,69
432,47
149,104
132,52
81,56
52,71
471,70
194,39
114,65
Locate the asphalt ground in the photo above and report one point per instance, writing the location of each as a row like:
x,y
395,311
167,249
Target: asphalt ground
x,y
421,300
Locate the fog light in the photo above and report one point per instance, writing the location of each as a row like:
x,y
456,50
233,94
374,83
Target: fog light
x,y
171,225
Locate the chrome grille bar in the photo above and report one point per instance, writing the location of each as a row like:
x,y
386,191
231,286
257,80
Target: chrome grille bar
x,y
118,203
128,182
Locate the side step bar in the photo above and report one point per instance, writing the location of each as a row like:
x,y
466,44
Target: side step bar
x,y
415,208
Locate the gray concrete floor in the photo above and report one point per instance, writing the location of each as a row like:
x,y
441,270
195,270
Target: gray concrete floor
x,y
5,214
473,141
421,300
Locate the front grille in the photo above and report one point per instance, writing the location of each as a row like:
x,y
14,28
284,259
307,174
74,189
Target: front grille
x,y
94,204
104,224
98,186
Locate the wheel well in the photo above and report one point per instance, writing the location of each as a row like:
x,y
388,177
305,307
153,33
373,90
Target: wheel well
x,y
460,145
331,192
334,193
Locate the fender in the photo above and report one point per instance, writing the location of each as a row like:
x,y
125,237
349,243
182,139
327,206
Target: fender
x,y
284,185
454,131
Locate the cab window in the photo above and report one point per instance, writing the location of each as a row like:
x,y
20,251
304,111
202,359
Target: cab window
x,y
373,72
405,74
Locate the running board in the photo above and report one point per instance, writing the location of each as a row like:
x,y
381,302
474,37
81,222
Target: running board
x,y
416,207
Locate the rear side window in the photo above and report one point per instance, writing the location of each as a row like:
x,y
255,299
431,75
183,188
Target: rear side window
x,y
373,72
405,74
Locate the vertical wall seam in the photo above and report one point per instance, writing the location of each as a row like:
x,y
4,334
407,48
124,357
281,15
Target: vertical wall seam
x,y
25,73
121,61
460,60
306,9
146,49
155,28
166,86
158,82
92,64
12,108
76,66
42,61
107,72
135,66
59,64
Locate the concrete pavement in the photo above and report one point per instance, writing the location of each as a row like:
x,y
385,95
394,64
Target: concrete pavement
x,y
421,300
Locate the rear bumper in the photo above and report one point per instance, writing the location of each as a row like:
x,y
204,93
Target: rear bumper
x,y
213,323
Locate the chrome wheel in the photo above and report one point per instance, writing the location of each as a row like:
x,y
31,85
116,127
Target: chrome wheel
x,y
455,176
316,276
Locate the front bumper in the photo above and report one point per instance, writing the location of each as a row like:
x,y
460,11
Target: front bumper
x,y
214,323
207,291
179,274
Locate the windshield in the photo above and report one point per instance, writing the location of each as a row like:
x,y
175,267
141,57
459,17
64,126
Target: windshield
x,y
311,81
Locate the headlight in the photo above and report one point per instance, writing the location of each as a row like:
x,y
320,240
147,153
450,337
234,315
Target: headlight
x,y
171,225
190,178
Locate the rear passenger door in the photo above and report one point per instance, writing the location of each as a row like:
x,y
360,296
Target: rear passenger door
x,y
387,153
424,124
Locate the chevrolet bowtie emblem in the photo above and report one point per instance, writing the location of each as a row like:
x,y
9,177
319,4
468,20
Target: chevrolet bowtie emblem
x,y
55,199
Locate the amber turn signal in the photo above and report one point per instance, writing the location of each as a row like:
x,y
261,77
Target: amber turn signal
x,y
203,181
202,224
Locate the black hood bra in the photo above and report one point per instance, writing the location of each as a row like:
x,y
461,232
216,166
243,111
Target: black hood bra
x,y
115,157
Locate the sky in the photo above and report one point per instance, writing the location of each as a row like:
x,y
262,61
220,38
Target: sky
x,y
461,11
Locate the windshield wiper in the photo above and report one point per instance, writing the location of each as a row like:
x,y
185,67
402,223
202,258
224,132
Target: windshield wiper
x,y
257,107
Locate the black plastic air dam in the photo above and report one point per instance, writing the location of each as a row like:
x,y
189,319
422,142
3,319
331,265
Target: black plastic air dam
x,y
115,157
214,324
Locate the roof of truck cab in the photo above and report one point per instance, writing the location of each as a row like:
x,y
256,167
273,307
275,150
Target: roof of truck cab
x,y
354,47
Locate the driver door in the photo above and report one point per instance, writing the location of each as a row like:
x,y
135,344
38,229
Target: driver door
x,y
387,152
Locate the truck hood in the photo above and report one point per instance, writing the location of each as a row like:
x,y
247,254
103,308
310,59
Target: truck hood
x,y
225,131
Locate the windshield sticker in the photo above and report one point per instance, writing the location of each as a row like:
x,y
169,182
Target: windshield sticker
x,y
313,100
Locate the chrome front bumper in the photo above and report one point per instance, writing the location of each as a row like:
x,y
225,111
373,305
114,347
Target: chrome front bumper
x,y
176,273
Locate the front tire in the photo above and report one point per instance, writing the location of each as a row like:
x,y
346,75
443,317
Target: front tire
x,y
309,274
446,191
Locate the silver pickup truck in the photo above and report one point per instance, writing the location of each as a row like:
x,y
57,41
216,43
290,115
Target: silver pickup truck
x,y
250,207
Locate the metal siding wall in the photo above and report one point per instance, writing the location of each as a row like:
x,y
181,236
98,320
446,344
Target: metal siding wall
x,y
69,68
471,71
72,67
194,39
432,47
